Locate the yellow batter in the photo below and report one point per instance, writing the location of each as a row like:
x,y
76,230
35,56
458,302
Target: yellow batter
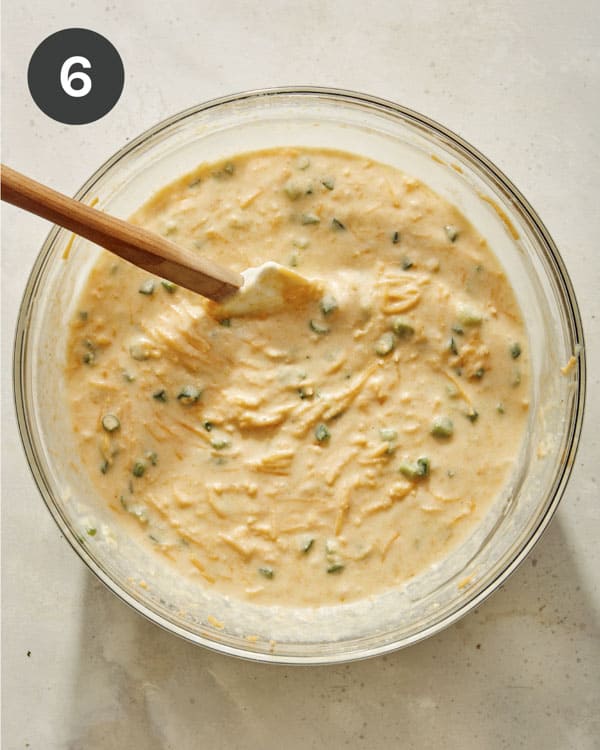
x,y
334,449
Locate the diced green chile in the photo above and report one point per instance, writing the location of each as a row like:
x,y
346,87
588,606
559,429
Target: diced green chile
x,y
189,394
169,286
469,317
385,345
220,444
402,328
417,470
322,433
328,304
147,287
442,427
110,422
317,327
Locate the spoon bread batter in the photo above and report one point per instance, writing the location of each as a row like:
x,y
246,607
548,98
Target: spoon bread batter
x,y
328,451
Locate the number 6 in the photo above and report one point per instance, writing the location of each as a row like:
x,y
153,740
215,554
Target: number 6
x,y
67,79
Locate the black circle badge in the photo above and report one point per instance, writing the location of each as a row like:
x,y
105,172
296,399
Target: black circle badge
x,y
75,76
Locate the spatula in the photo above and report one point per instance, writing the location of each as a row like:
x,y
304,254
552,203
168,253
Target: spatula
x,y
267,288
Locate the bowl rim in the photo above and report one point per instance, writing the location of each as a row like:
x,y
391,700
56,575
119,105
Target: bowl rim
x,y
570,308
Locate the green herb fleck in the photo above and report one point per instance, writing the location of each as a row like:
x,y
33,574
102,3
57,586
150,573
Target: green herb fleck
x,y
406,264
306,393
83,315
160,395
500,408
479,373
139,469
89,358
91,532
472,415
309,219
337,224
225,322
306,545
303,162
442,427
328,183
207,425
458,329
322,433
452,345
388,434
515,350
266,572
336,567
152,456
104,466
395,238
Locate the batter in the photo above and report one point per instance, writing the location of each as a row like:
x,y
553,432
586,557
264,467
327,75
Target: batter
x,y
332,450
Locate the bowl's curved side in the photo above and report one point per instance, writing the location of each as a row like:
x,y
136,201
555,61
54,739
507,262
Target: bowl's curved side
x,y
567,310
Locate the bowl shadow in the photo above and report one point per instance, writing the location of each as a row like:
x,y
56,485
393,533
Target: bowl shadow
x,y
502,674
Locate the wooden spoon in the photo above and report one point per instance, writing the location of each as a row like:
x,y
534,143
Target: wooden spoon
x,y
130,242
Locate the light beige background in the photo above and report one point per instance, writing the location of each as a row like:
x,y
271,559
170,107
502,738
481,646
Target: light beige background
x,y
520,80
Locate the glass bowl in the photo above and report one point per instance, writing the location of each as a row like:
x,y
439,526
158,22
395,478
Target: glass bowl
x,y
439,596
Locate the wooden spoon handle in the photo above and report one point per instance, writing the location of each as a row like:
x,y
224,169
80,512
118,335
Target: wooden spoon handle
x,y
130,242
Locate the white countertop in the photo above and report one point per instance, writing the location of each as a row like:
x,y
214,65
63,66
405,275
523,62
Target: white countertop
x,y
81,671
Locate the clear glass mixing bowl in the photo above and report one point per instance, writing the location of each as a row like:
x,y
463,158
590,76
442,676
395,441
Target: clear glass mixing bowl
x,y
418,146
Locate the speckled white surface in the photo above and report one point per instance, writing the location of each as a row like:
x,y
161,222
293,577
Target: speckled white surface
x,y
80,671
